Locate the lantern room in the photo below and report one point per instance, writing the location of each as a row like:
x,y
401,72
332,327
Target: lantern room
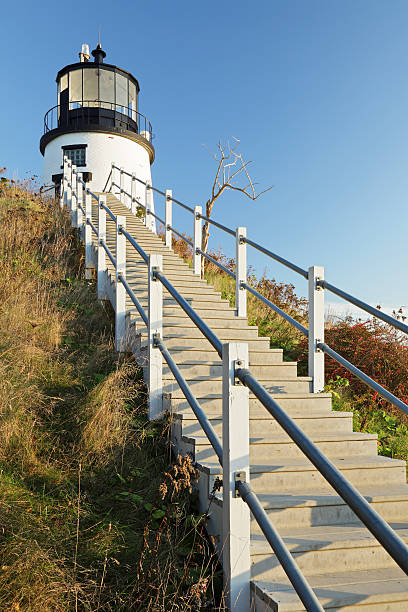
x,y
96,121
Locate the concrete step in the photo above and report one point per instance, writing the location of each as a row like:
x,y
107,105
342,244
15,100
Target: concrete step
x,y
259,358
225,333
291,474
349,547
207,302
290,402
286,369
381,590
212,387
274,447
213,323
262,423
302,509
183,344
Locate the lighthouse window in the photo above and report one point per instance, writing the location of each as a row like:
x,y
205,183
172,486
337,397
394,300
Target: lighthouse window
x,y
64,82
90,85
121,90
75,87
76,153
107,87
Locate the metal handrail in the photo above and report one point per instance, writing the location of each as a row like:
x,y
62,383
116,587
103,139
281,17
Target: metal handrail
x,y
299,582
370,309
107,180
133,242
217,263
202,326
108,210
109,254
281,260
89,222
219,225
280,312
129,195
134,299
198,411
363,377
138,179
169,227
392,543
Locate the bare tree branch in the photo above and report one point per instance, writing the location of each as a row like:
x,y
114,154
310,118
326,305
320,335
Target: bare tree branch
x,y
230,166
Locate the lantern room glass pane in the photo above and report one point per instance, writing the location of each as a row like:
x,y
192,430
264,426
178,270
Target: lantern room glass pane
x,y
132,100
75,87
90,87
121,91
64,82
107,88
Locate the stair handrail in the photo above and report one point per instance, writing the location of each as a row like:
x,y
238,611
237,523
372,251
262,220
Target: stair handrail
x,y
341,293
317,347
369,517
387,537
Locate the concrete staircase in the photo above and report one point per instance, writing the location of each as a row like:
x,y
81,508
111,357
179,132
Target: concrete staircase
x,y
342,561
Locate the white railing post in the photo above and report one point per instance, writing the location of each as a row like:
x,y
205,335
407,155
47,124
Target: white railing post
x,y
68,200
197,240
102,267
74,194
149,220
114,179
168,218
235,466
120,293
241,273
88,235
121,179
316,328
80,195
155,313
64,182
133,203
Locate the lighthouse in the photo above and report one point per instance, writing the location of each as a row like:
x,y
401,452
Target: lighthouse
x,y
96,122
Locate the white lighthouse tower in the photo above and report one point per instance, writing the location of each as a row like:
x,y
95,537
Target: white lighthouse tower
x,y
96,122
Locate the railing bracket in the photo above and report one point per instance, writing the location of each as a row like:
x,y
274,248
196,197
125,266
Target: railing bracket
x,y
238,365
239,477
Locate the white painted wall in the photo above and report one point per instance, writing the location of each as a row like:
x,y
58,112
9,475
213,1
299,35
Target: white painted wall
x,y
102,150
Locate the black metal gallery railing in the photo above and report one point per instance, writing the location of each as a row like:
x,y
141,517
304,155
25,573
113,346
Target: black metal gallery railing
x,y
97,113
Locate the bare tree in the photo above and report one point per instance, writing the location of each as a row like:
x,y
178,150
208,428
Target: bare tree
x,y
232,173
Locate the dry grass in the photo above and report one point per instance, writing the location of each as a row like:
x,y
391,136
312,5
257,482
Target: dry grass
x,y
84,524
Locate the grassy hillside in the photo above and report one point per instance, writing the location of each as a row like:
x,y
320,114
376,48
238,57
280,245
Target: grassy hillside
x,y
93,515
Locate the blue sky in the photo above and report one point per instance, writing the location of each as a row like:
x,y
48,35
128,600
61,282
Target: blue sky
x,y
316,91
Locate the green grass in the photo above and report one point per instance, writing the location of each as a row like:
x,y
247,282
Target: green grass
x,y
93,516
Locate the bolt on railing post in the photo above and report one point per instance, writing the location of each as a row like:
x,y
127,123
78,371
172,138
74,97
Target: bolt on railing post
x,y
74,194
197,240
155,327
149,220
316,328
133,203
241,273
80,192
235,466
88,235
120,292
168,218
102,267
121,179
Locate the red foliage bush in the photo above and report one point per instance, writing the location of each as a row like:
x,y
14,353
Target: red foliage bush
x,y
375,348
